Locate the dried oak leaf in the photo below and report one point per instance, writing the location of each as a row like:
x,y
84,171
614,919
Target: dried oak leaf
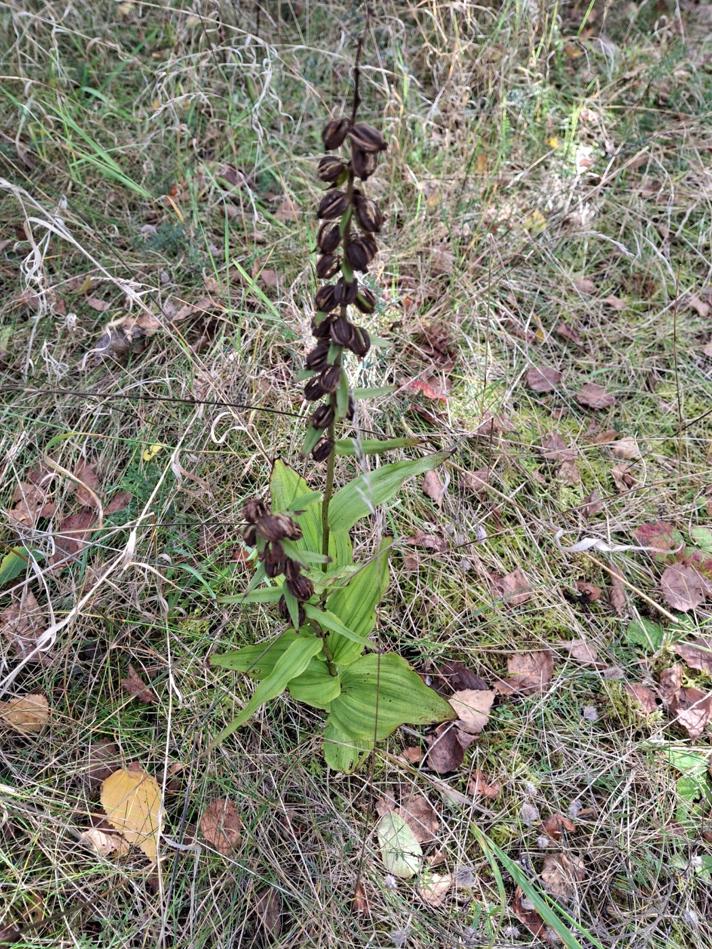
x,y
593,396
221,825
514,587
529,672
27,714
445,753
419,814
477,481
626,448
268,909
697,654
543,379
682,588
21,623
434,486
644,696
479,785
554,448
136,687
473,708
555,825
560,874
428,541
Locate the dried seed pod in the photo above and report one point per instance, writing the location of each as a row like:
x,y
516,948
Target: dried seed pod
x,y
360,342
322,449
325,299
328,237
317,358
363,163
249,535
253,510
369,242
274,560
327,266
334,133
365,300
320,329
292,569
342,331
275,527
357,255
331,168
329,379
323,416
332,205
345,293
367,138
368,213
314,389
284,611
301,587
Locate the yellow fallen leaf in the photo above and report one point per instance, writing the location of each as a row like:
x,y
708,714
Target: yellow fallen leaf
x,y
132,801
27,714
150,453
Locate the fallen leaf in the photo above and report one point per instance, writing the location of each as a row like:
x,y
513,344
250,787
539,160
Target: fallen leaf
x,y
560,874
514,587
445,753
529,672
30,504
692,709
529,917
615,303
401,853
71,536
442,261
455,676
27,714
104,843
86,473
569,473
645,633
598,436
132,802
434,342
9,935
21,623
477,481
428,541
473,708
569,333
412,754
102,759
623,478
136,687
682,588
118,503
584,285
130,334
658,534
593,396
543,379
626,448
588,590
555,825
697,654
360,899
429,389
670,683
529,814
419,814
644,696
288,210
480,786
617,596
268,909
554,448
269,278
221,825
434,887
582,651
96,303
434,486
699,306
592,505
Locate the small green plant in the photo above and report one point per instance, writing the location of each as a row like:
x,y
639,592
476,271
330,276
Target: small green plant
x,y
302,536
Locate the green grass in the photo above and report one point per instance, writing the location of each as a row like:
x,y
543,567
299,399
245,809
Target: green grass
x,y
123,124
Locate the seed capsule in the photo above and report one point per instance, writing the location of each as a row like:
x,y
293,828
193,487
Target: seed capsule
x,y
301,587
368,214
365,300
325,298
321,329
274,560
328,237
363,163
350,411
345,293
314,390
249,535
367,138
342,331
334,133
253,510
332,205
316,359
327,266
275,527
358,255
329,378
323,417
361,342
369,242
331,168
322,449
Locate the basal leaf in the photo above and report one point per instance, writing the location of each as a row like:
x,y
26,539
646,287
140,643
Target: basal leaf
x,y
258,660
355,605
372,446
316,686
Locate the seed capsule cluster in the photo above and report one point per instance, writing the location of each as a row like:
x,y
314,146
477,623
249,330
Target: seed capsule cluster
x,y
266,531
346,245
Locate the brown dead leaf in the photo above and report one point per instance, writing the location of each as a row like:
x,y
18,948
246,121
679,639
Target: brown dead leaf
x,y
86,473
453,676
623,477
479,785
626,449
699,306
428,541
514,587
412,754
644,696
419,814
27,714
136,687
615,303
529,672
582,651
130,334
543,379
71,536
270,278
556,824
360,900
31,504
268,909
569,333
697,654
288,210
584,285
682,588
560,874
434,888
693,709
473,708
434,486
554,448
593,396
569,473
658,534
104,842
445,753
96,303
429,389
221,825
593,505
529,917
617,596
477,481
442,261
670,683
589,590
21,623
118,503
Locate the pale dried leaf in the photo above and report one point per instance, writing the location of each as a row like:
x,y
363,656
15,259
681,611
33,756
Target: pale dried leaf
x,y
569,473
268,909
582,651
417,811
682,588
644,696
434,888
21,623
221,825
697,654
618,596
104,843
584,285
136,687
514,587
560,874
132,802
86,473
543,379
27,714
434,486
594,396
623,477
615,303
556,824
477,481
479,785
554,448
529,672
473,708
626,448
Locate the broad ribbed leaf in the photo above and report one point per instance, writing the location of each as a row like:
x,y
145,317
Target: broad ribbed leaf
x,y
290,665
365,493
316,686
332,623
355,605
372,446
258,660
378,694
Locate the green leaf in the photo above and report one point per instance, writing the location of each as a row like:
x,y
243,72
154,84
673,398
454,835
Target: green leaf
x,y
372,392
265,595
292,606
316,686
365,493
702,536
646,634
372,446
310,439
332,623
12,565
257,660
690,763
400,849
378,694
355,605
290,665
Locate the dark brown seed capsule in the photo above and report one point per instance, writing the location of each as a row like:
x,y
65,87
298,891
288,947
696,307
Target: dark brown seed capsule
x,y
322,449
361,342
325,298
357,255
367,138
292,569
351,409
363,163
369,242
329,378
274,560
365,300
275,527
327,266
253,510
332,205
342,331
368,214
328,237
301,587
317,358
323,417
249,535
314,389
321,329
331,168
334,133
345,293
